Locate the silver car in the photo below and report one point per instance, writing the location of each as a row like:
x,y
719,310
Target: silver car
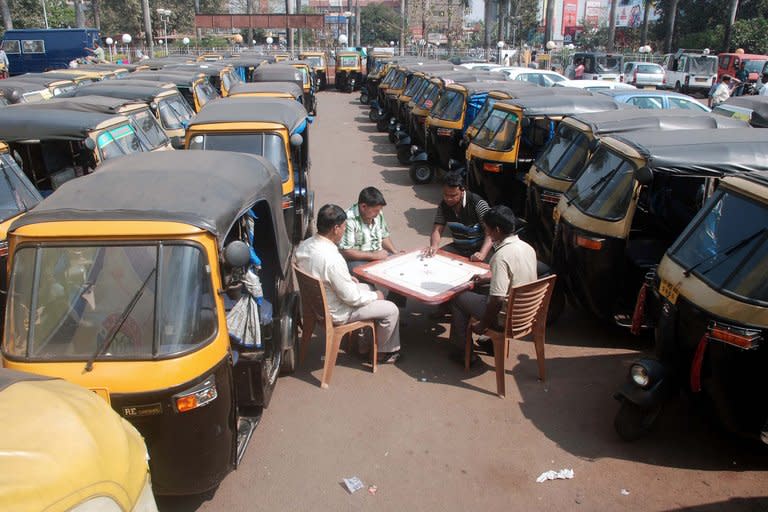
x,y
644,74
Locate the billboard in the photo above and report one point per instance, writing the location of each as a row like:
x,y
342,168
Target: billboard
x,y
593,11
570,9
629,13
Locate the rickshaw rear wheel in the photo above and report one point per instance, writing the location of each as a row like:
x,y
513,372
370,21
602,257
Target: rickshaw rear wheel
x,y
291,355
633,422
421,173
372,114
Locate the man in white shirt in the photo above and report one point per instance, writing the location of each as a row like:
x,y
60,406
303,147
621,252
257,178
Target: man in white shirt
x,y
722,91
513,263
348,300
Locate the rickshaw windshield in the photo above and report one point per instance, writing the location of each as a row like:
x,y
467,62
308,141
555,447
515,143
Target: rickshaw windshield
x,y
204,92
348,61
399,81
148,129
268,145
422,92
173,112
604,189
119,141
498,132
450,106
387,78
413,86
727,246
483,114
17,194
430,95
316,61
66,302
609,64
565,154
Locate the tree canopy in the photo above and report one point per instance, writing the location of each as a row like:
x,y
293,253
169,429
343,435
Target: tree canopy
x,y
379,24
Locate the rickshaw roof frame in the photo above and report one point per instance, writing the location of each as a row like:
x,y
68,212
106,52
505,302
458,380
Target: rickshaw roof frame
x,y
704,152
209,190
21,123
291,88
618,121
283,111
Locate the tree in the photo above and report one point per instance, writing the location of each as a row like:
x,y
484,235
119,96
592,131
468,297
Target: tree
x,y
5,10
729,25
611,27
379,24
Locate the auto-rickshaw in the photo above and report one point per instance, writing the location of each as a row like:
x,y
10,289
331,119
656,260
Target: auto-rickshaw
x,y
23,92
144,122
121,283
516,130
711,304
55,85
286,73
268,90
376,65
282,56
319,62
274,128
54,146
120,70
309,83
222,76
194,86
753,109
78,76
160,63
209,57
576,138
245,65
349,71
78,452
612,229
165,101
597,65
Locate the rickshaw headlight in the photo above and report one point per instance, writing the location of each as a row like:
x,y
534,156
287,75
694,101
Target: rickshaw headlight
x,y
639,375
198,396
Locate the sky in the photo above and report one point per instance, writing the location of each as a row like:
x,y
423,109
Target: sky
x,y
477,10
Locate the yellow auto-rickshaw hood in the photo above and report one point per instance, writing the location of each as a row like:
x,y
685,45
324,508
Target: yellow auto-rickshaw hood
x,y
59,446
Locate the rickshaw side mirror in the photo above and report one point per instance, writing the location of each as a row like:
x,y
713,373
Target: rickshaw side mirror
x,y
644,175
237,254
296,140
89,144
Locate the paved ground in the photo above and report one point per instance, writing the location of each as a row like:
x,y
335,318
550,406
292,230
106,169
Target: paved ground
x,y
431,437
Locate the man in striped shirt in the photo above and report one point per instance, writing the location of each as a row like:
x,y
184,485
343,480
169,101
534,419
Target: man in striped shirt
x,y
462,212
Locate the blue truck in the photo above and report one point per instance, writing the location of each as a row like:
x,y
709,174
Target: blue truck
x,y
40,49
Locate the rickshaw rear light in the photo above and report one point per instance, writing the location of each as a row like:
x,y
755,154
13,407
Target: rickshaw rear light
x,y
550,197
200,395
594,244
287,201
742,338
492,167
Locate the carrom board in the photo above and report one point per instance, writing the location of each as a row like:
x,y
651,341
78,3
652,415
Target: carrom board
x,y
432,280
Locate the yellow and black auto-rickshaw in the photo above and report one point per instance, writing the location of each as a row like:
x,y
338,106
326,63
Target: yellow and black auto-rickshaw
x,y
13,92
194,86
221,75
286,73
55,85
635,196
275,128
165,100
349,71
576,138
121,283
516,130
319,63
376,68
245,65
710,304
288,90
282,56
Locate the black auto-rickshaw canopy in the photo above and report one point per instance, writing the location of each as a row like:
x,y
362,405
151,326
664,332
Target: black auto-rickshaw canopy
x,y
757,104
174,76
701,152
619,121
14,91
250,60
104,104
210,190
562,105
41,78
104,66
22,123
129,82
144,93
164,61
288,113
267,87
278,73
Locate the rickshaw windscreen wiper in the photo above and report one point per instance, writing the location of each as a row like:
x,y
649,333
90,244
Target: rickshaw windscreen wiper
x,y
726,252
599,182
119,325
16,197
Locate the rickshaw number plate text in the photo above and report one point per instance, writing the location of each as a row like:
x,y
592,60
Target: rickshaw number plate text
x,y
137,411
670,292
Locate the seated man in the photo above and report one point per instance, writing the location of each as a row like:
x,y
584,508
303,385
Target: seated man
x,y
462,212
513,263
348,300
367,235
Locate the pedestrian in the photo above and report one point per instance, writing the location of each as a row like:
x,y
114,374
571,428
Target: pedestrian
x,y
513,263
5,66
742,75
578,71
763,87
97,51
722,92
348,300
462,212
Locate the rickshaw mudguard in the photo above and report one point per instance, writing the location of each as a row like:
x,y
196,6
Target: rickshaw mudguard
x,y
190,452
420,155
403,140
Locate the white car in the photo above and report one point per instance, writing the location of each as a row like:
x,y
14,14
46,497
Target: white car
x,y
540,77
642,74
594,85
480,66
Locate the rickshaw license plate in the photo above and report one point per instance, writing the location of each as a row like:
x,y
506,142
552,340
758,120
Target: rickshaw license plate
x,y
103,393
669,291
556,215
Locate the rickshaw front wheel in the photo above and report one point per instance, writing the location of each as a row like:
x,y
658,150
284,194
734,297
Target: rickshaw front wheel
x,y
421,173
364,98
373,114
382,124
632,421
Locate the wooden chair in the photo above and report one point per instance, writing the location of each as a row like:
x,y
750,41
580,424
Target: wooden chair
x,y
314,308
526,315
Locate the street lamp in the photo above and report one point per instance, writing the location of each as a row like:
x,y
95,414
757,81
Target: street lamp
x,y
347,15
109,42
165,15
500,45
126,39
342,40
644,51
185,41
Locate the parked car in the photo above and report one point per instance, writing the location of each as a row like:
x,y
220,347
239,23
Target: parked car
x,y
594,85
540,77
656,99
644,74
480,66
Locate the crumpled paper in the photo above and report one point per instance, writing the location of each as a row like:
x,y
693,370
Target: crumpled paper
x,y
563,474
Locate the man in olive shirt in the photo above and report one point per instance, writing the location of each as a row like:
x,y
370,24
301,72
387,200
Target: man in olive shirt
x,y
513,263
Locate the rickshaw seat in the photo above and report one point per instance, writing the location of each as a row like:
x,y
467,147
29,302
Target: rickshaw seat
x,y
314,308
526,315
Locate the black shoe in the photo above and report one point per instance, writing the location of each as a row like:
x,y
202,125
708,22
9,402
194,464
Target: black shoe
x,y
457,356
389,357
485,344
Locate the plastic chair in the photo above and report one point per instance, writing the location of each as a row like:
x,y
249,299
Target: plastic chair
x,y
526,315
314,308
